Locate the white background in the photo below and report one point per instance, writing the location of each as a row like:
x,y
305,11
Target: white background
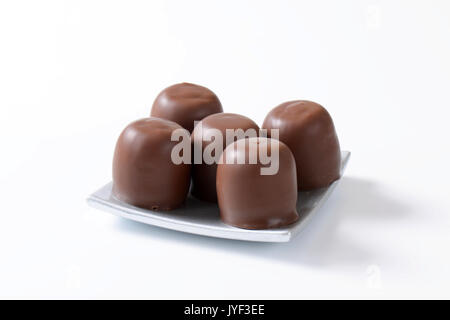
x,y
74,73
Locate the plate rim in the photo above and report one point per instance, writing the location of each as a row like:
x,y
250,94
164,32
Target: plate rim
x,y
97,200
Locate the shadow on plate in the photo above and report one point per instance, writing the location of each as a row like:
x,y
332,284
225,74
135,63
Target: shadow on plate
x,y
320,243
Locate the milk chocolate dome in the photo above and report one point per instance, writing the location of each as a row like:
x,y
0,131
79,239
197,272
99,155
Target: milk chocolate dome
x,y
143,173
308,130
204,175
247,199
185,103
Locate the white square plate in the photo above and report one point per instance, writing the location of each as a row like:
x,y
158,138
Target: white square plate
x,y
203,218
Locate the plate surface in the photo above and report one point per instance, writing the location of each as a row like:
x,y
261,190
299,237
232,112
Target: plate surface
x,y
203,218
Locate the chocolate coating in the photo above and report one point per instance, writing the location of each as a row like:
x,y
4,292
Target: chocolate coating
x,y
143,173
308,130
250,200
185,103
204,175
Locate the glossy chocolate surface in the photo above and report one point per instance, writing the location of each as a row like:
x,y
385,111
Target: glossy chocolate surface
x,y
204,175
308,130
185,103
143,173
250,200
